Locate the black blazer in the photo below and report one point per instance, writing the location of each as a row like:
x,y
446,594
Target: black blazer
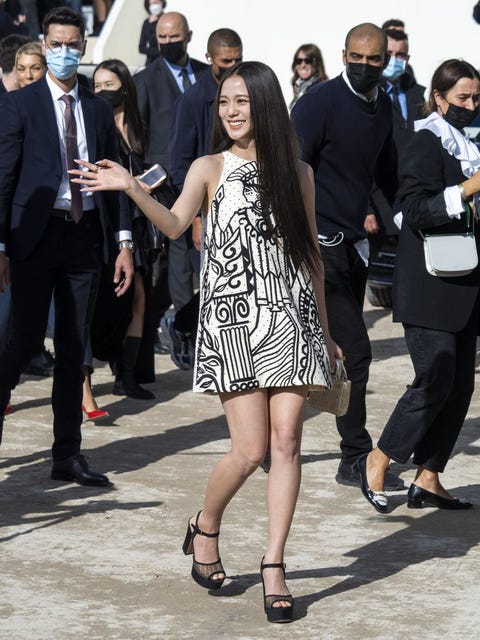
x,y
403,130
31,168
420,299
157,91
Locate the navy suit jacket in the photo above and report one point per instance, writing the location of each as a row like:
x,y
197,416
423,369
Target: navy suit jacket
x,y
191,127
31,168
157,92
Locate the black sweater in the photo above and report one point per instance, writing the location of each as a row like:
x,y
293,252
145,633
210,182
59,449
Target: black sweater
x,y
348,143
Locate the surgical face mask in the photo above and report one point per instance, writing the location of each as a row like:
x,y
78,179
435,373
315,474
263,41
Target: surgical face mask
x,y
156,9
459,117
114,97
363,76
173,51
64,63
394,69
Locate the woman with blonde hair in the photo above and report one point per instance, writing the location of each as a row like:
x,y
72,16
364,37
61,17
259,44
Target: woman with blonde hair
x,y
30,64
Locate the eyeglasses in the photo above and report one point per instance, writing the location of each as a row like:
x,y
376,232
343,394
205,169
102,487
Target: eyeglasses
x,y
298,61
72,47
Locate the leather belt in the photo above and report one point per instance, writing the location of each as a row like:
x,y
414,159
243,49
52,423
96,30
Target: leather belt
x,y
63,214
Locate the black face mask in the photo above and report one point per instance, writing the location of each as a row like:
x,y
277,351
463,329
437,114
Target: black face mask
x,y
221,72
173,51
363,77
459,117
114,97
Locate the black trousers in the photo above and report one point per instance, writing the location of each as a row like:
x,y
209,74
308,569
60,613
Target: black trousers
x,y
345,282
66,263
429,415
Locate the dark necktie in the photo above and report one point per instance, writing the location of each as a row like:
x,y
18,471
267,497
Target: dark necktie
x,y
396,101
72,153
185,79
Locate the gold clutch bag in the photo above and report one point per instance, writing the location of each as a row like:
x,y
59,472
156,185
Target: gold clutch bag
x,y
336,399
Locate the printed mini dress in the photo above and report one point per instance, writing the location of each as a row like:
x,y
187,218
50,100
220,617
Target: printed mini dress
x,y
258,323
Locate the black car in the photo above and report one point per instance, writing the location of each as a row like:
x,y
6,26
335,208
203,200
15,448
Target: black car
x,y
383,249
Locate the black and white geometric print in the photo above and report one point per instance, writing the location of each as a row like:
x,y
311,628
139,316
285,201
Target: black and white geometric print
x,y
259,324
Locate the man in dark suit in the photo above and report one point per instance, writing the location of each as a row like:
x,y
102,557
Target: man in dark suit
x,y
158,86
8,49
408,102
55,235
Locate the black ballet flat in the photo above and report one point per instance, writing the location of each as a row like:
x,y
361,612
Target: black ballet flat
x,y
276,614
202,572
378,499
419,498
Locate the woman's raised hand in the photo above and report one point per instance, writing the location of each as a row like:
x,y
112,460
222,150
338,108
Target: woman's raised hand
x,y
104,175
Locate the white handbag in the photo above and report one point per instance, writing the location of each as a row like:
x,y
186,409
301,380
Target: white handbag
x,y
450,255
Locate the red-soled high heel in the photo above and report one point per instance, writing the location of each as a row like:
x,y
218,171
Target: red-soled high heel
x,y
97,414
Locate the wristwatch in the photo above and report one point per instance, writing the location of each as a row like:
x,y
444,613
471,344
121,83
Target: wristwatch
x,y
126,244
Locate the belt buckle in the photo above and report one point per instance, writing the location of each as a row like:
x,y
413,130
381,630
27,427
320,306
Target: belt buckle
x,y
332,240
67,217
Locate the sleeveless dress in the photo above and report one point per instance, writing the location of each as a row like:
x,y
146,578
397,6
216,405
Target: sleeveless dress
x,y
258,323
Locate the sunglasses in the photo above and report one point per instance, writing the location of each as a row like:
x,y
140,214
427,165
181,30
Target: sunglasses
x,y
298,61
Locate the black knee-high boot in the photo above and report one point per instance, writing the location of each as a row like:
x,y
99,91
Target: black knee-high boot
x,y
125,383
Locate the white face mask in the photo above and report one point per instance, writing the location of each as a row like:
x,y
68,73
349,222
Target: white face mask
x,y
156,9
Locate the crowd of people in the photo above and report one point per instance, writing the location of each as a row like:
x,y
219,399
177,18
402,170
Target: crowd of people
x,y
25,17
269,208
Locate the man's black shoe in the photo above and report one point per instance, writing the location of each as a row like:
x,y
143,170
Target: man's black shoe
x,y
347,476
41,365
76,469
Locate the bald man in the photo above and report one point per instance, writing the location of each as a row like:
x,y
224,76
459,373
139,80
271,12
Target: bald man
x,y
158,86
344,127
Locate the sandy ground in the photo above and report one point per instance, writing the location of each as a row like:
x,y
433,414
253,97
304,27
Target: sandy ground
x,y
102,564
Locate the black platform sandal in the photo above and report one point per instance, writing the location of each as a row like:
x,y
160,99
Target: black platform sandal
x,y
276,614
202,572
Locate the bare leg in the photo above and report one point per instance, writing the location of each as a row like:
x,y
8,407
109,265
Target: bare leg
x,y
88,401
102,7
377,465
247,418
135,328
286,421
430,481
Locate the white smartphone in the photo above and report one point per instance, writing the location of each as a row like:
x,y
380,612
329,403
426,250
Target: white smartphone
x,y
154,177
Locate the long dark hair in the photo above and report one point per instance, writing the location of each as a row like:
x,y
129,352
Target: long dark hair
x,y
277,159
318,68
446,76
137,135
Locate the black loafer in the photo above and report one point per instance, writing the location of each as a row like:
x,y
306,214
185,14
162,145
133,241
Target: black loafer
x,y
418,498
76,469
378,499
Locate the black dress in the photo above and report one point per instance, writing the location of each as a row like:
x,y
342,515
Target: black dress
x,y
112,314
148,41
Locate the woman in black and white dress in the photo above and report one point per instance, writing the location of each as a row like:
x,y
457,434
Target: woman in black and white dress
x,y
263,333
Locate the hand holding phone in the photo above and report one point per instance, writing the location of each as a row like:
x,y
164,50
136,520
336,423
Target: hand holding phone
x,y
154,177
